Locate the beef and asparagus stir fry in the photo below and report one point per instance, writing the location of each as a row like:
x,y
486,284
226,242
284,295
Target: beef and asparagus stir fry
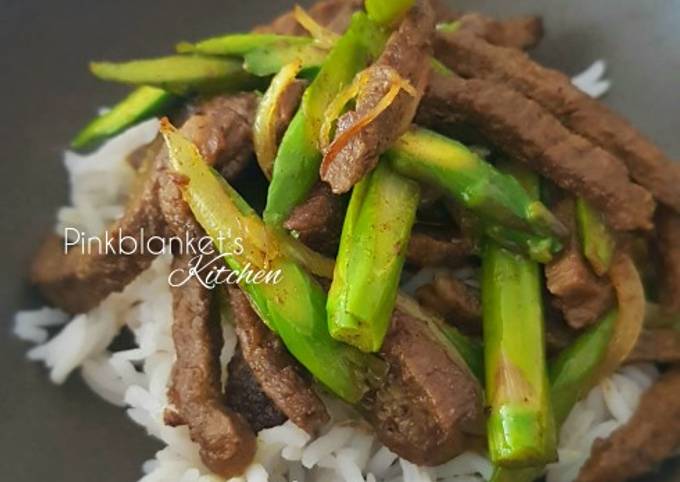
x,y
396,136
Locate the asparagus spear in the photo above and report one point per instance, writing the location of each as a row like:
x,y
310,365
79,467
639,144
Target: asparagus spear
x,y
521,428
538,248
571,376
178,74
474,183
266,61
597,241
239,44
294,306
374,238
296,168
141,104
263,54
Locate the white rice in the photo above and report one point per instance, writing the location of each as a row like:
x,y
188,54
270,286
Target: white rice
x,y
137,378
591,81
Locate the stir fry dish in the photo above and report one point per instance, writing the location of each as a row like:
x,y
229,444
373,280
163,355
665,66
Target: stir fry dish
x,y
461,245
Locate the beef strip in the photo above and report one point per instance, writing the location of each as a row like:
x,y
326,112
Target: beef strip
x,y
245,396
427,250
519,33
332,14
278,374
319,220
227,443
473,57
288,106
652,435
79,281
269,371
429,401
407,54
661,345
221,127
454,300
581,296
526,131
668,239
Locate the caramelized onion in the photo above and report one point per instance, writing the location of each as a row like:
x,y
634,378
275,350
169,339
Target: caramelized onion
x,y
335,108
264,127
324,37
631,314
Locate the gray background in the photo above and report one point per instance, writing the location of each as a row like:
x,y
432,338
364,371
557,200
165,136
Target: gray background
x,y
68,434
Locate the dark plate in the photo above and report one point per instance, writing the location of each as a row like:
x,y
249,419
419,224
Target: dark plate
x,y
68,434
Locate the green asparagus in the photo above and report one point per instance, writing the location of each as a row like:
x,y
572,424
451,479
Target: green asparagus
x,y
597,241
239,44
571,376
474,183
296,168
299,320
141,104
521,428
375,235
266,61
179,74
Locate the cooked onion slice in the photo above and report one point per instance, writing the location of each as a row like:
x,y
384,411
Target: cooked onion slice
x,y
324,37
264,127
631,299
336,107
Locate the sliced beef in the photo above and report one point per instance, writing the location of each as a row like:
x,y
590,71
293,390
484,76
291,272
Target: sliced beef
x,y
318,220
519,33
454,300
652,435
277,373
221,127
661,345
526,131
428,250
429,401
473,57
227,443
245,396
668,232
406,54
332,14
79,281
288,106
581,296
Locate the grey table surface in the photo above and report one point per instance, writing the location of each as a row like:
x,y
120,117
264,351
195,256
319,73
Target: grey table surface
x,y
66,433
